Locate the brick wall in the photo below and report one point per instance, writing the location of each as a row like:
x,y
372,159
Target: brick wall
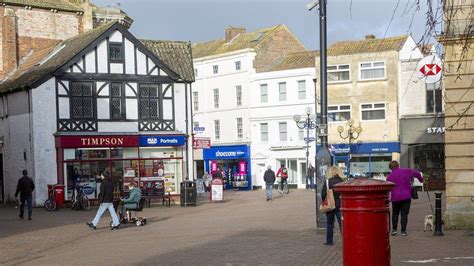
x,y
281,42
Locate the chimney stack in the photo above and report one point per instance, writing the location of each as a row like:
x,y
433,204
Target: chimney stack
x,y
9,42
231,32
370,37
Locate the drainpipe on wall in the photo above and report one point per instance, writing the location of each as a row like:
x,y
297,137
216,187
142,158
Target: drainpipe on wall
x,y
187,129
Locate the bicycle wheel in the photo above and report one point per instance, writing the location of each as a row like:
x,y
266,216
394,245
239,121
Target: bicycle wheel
x,y
287,189
85,203
50,205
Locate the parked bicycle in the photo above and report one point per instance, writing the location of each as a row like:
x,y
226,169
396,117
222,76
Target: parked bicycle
x,y
50,204
80,200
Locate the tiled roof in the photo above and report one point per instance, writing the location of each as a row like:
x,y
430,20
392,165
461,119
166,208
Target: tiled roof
x,y
241,41
46,4
32,69
294,61
176,55
367,46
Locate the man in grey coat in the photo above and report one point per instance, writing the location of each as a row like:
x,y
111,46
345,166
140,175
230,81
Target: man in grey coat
x,y
269,178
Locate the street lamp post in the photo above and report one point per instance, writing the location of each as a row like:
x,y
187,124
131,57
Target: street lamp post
x,y
353,133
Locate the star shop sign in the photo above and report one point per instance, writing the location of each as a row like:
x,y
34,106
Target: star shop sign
x,y
430,69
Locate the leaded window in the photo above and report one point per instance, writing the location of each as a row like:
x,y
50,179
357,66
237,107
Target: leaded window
x,y
82,100
149,101
116,52
117,101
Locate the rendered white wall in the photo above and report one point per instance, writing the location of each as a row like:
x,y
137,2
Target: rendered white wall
x,y
102,57
130,57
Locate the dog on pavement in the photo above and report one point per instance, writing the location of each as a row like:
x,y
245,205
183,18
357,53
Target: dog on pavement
x,y
429,222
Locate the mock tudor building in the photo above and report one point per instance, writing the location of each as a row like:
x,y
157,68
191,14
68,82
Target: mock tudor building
x,y
101,100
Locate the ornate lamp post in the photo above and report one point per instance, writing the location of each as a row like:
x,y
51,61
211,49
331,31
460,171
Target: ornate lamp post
x,y
353,133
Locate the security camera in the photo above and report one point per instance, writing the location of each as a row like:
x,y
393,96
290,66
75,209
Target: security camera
x,y
312,5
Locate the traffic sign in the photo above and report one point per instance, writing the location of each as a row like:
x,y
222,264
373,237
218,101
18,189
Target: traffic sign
x,y
429,69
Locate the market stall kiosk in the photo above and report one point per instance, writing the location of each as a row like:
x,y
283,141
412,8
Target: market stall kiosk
x,y
234,164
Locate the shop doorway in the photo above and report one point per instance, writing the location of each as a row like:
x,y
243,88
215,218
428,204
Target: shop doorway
x,y
199,164
303,168
2,184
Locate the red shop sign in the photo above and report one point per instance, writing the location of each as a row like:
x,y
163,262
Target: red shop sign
x,y
201,143
96,141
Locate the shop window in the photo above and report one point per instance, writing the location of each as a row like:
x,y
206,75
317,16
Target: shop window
x,y
338,73
82,100
238,95
117,101
263,93
149,101
116,53
217,129
434,98
216,98
339,113
264,131
240,130
372,70
195,101
373,111
301,90
283,131
282,91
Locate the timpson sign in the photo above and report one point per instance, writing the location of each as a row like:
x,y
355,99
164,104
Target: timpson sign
x,y
96,141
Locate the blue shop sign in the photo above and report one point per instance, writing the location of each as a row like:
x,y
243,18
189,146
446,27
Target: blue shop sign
x,y
373,147
178,140
227,152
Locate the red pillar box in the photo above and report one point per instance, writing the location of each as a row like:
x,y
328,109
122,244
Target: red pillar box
x,y
59,198
365,221
217,190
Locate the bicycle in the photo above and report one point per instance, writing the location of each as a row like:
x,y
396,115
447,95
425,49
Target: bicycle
x,y
80,200
50,203
285,189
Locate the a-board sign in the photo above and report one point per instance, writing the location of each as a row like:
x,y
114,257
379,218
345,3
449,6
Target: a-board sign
x,y
217,190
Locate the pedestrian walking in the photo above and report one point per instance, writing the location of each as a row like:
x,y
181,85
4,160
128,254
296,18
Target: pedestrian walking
x,y
25,188
310,177
334,176
269,178
400,196
106,197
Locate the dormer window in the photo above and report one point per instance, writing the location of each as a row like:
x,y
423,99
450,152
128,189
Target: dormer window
x,y
116,52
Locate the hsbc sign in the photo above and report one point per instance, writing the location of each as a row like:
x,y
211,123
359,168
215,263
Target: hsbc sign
x,y
430,69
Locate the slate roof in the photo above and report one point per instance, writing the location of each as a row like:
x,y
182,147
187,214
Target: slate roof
x,y
294,61
175,54
241,41
367,46
46,4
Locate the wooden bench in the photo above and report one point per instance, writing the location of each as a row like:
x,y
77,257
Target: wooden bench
x,y
157,194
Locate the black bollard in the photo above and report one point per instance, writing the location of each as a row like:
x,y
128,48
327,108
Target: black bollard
x,y
438,221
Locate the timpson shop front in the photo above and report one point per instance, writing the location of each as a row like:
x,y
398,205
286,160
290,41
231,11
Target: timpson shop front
x,y
142,158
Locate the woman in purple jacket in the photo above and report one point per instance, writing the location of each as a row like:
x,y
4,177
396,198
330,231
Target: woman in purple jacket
x,y
401,194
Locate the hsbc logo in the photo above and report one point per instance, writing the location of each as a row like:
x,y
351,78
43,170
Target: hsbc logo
x,y
430,69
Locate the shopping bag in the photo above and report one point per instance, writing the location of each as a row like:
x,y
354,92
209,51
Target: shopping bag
x,y
328,204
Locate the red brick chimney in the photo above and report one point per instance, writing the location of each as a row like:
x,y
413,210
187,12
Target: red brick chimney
x,y
9,42
231,32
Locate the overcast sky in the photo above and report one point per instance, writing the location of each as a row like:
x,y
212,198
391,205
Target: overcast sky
x,y
204,20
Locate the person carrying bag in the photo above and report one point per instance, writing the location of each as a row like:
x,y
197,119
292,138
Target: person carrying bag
x,y
331,202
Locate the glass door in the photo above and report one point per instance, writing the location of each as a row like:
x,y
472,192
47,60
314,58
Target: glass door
x,y
302,183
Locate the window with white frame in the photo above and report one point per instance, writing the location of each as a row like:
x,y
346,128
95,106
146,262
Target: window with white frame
x,y
302,89
237,65
301,133
282,91
373,111
372,70
240,128
195,124
216,98
195,101
217,129
339,73
215,69
238,95
339,113
263,93
283,131
434,101
195,72
264,131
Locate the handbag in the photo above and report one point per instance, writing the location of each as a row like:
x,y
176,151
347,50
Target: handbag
x,y
328,204
414,192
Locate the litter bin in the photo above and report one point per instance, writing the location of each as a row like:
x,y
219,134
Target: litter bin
x,y
365,221
188,194
59,195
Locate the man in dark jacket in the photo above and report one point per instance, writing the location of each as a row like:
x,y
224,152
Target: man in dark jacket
x,y
269,178
106,198
25,188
